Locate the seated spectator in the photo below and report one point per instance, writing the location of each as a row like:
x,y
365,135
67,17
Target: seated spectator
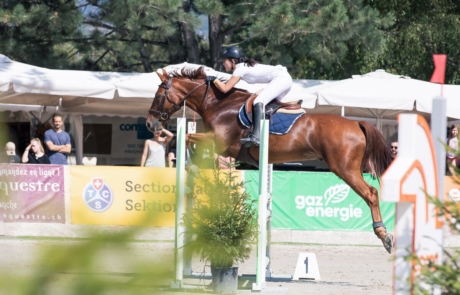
x,y
394,149
172,154
452,142
35,154
154,149
58,142
9,155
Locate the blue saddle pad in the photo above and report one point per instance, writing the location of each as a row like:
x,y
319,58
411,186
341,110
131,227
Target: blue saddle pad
x,y
280,123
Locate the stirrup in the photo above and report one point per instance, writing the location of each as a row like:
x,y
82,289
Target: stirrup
x,y
250,141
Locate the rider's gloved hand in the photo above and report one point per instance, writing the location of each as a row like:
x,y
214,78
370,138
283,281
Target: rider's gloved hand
x,y
210,79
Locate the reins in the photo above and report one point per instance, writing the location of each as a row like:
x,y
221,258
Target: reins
x,y
165,115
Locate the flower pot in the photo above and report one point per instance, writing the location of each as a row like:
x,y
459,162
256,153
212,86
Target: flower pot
x,y
225,279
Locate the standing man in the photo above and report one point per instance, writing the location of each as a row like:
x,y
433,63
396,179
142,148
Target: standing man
x,y
58,142
394,149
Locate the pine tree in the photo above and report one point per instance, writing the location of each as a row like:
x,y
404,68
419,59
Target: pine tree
x,y
37,32
316,39
131,35
422,28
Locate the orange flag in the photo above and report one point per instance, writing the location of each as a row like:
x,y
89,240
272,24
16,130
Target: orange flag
x,y
439,68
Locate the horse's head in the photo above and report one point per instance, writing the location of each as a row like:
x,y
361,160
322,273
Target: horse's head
x,y
171,95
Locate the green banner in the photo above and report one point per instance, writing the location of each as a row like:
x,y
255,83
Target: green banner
x,y
319,201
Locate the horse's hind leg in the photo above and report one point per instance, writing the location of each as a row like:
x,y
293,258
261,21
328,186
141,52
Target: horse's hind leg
x,y
355,180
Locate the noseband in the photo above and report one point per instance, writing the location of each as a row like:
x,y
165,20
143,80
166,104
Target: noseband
x,y
164,116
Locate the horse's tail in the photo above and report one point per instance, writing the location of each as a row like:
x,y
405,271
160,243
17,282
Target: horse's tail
x,y
377,155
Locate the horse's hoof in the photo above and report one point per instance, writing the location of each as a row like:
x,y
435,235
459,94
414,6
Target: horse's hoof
x,y
389,243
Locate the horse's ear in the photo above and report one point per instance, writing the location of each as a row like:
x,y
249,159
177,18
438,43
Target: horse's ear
x,y
164,76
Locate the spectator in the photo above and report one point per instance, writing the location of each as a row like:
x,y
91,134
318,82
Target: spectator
x,y
58,142
452,142
172,154
9,155
34,153
223,162
394,149
154,149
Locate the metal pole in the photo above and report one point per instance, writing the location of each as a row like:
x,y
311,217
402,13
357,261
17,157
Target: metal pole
x,y
190,185
262,213
268,271
180,188
438,132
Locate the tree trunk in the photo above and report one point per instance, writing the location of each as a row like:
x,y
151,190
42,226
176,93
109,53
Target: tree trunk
x,y
144,56
176,47
216,39
191,45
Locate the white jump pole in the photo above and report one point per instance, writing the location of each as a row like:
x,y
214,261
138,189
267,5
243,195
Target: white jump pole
x,y
268,271
180,200
262,212
190,184
438,132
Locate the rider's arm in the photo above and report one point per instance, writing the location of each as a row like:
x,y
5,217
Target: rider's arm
x,y
225,87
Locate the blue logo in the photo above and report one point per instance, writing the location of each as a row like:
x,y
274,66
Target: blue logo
x,y
140,128
97,195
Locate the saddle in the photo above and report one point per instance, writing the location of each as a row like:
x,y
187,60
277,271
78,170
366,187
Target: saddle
x,y
293,107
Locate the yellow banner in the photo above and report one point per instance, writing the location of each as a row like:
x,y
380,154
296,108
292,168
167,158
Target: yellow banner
x,y
107,195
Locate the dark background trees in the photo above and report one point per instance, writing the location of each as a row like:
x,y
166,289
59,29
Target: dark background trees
x,y
324,39
421,28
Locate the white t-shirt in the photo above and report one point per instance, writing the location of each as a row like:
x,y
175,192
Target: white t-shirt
x,y
453,144
258,73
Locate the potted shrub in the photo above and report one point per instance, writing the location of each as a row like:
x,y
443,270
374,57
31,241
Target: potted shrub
x,y
223,226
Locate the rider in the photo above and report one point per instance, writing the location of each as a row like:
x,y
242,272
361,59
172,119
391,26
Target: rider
x,y
279,80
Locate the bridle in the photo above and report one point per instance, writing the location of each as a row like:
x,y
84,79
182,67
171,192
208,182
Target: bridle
x,y
164,116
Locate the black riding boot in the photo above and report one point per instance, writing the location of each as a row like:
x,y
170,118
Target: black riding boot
x,y
257,115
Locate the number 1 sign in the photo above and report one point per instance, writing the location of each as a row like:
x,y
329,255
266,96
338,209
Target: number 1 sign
x,y
409,179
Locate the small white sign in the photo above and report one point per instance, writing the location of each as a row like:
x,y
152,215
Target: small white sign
x,y
307,267
191,128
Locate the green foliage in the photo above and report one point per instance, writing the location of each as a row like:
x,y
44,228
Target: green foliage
x,y
132,35
225,224
422,28
79,267
30,30
325,39
316,39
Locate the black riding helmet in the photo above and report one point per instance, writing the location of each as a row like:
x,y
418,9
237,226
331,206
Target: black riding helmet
x,y
233,52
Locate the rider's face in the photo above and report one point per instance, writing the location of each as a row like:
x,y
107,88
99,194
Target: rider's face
x,y
228,65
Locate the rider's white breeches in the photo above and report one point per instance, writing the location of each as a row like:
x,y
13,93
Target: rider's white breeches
x,y
278,88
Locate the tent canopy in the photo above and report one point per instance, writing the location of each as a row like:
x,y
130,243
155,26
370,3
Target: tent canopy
x,y
377,94
103,93
383,95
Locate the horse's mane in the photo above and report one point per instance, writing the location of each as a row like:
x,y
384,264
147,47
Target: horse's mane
x,y
194,74
190,73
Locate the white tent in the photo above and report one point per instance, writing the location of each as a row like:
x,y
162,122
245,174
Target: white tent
x,y
103,93
383,95
76,93
376,95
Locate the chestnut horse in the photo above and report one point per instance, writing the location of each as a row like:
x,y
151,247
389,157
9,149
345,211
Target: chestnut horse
x,y
348,147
